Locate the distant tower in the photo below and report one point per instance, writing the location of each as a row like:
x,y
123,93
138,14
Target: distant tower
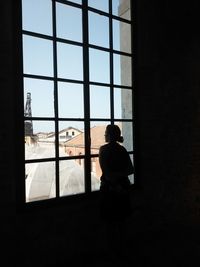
x,y
28,113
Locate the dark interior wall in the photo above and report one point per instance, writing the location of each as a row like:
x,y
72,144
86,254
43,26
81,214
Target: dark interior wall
x,y
7,130
167,133
168,106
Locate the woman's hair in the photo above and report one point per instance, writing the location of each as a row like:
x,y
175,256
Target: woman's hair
x,y
114,133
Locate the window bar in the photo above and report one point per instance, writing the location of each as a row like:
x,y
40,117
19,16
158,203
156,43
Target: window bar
x,y
55,97
134,82
111,63
21,184
86,96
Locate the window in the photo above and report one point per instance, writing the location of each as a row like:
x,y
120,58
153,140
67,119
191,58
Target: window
x,y
77,78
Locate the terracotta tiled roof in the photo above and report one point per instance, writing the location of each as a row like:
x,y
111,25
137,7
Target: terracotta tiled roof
x,y
97,137
78,140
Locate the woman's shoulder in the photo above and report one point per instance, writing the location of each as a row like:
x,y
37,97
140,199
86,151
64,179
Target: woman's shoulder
x,y
103,148
113,149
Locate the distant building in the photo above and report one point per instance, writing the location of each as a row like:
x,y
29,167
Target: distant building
x,y
63,136
42,135
31,139
76,147
126,73
68,133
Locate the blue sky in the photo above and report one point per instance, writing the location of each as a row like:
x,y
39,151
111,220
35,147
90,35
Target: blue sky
x,y
38,59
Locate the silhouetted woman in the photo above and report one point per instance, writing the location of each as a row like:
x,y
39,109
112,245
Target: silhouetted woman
x,y
116,165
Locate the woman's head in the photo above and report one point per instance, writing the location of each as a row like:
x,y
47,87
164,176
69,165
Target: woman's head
x,y
113,134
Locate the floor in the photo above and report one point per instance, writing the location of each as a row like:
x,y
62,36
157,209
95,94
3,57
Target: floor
x,y
168,247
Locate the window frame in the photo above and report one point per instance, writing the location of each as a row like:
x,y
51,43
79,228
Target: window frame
x,y
88,157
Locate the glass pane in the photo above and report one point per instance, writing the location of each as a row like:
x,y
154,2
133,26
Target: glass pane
x,y
97,134
121,8
41,142
95,173
122,103
70,61
102,5
121,36
33,18
40,181
69,22
122,70
131,177
70,99
99,66
98,37
99,102
127,133
71,138
76,1
71,177
38,98
37,56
